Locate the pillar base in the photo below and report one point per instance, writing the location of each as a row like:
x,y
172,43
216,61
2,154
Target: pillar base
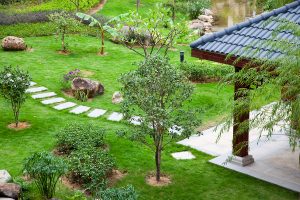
x,y
243,161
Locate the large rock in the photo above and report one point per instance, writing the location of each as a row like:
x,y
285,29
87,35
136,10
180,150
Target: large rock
x,y
12,43
117,97
89,87
4,176
206,18
208,12
204,27
10,190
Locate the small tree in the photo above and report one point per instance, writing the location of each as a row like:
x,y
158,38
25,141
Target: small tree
x,y
159,91
64,22
81,4
13,85
103,27
153,33
45,169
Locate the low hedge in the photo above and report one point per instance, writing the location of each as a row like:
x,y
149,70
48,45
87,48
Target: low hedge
x,y
205,71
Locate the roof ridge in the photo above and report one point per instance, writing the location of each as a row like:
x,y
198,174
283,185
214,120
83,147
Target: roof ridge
x,y
239,26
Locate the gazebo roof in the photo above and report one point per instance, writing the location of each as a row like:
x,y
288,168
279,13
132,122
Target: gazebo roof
x,y
249,35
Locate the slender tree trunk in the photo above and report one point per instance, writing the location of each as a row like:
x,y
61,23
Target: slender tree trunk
x,y
102,43
173,11
158,162
63,40
137,5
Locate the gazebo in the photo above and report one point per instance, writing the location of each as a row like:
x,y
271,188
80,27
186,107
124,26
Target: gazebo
x,y
227,47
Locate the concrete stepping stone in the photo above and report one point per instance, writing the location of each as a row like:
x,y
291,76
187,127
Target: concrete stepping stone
x,y
135,120
44,95
96,113
32,83
115,116
53,100
79,109
35,89
184,155
64,106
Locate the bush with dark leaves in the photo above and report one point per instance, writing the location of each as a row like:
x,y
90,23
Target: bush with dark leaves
x,y
122,193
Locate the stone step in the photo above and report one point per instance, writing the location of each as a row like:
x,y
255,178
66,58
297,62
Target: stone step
x,y
79,109
44,95
97,113
184,155
53,100
115,116
64,106
135,120
35,89
32,83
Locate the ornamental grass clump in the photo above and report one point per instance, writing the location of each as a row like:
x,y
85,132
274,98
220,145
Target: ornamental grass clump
x,y
45,169
122,193
13,85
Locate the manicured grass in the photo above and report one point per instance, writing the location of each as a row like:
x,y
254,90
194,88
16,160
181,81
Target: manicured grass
x,y
192,179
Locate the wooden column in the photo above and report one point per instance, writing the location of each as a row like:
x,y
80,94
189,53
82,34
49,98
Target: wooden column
x,y
241,121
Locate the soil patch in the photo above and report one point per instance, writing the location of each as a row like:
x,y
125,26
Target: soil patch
x,y
69,93
30,49
164,180
98,7
70,185
206,80
116,176
86,73
21,126
64,52
105,54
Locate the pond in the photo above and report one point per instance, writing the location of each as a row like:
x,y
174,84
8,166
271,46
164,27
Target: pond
x,y
231,12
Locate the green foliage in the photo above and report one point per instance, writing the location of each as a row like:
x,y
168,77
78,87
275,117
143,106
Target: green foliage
x,y
196,7
13,85
63,22
81,95
77,196
123,193
91,167
45,169
271,4
204,71
159,91
76,136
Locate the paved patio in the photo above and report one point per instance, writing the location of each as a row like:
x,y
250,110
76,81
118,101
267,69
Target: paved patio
x,y
274,160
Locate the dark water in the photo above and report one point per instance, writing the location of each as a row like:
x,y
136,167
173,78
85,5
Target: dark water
x,y
231,12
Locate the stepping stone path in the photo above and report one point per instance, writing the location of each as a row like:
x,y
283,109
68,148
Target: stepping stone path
x,y
184,155
36,89
115,116
97,113
80,109
44,95
64,106
53,100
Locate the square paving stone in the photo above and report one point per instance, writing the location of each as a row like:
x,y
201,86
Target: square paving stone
x,y
79,109
64,106
97,113
32,84
135,120
53,100
115,116
184,155
35,89
44,95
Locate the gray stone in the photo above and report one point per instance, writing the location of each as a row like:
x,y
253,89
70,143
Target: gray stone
x,y
206,18
10,190
4,198
135,120
35,89
79,109
64,106
242,161
117,97
44,95
115,116
89,87
12,43
184,155
208,12
97,113
32,84
53,100
4,176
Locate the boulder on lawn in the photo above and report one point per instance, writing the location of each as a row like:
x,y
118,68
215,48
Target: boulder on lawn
x,y
117,97
89,87
206,18
12,43
4,176
10,190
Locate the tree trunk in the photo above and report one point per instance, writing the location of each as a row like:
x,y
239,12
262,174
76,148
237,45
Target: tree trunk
x,y
63,46
157,162
137,5
102,43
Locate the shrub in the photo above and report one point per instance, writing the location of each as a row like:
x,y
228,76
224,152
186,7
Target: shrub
x,y
81,95
90,167
74,137
68,77
127,193
46,170
205,71
196,7
13,85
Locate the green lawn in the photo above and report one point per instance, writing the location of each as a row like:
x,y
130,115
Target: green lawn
x,y
192,179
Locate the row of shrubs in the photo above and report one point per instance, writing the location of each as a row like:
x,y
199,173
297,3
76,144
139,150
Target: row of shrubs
x,y
204,71
84,159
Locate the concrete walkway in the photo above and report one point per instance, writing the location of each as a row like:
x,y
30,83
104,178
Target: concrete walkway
x,y
274,160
